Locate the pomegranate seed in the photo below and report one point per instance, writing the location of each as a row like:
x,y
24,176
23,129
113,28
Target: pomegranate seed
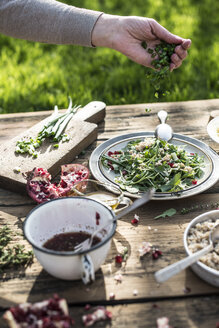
x,y
156,254
134,221
194,182
170,164
64,184
119,259
87,307
192,154
110,153
97,218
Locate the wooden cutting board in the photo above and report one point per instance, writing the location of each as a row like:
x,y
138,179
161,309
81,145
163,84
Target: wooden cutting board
x,y
81,132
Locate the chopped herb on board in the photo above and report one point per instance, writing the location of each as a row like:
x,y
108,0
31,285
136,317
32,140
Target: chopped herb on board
x,y
12,255
52,130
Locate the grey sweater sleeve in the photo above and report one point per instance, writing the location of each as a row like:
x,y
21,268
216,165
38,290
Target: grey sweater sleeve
x,y
47,21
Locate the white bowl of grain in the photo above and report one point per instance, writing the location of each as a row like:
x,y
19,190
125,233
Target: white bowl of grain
x,y
196,237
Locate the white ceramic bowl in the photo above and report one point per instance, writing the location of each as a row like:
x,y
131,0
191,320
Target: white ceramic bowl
x,y
212,127
67,215
203,271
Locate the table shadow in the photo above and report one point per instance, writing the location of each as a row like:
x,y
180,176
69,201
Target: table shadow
x,y
75,291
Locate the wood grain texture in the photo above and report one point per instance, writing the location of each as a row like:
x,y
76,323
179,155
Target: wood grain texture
x,y
81,135
187,300
79,130
201,312
165,234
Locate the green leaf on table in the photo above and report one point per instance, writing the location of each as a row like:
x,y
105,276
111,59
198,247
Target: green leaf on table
x,y
169,212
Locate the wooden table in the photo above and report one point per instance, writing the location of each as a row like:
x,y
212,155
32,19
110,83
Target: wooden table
x,y
185,299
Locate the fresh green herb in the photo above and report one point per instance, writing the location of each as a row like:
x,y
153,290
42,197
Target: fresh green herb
x,y
161,59
5,237
52,130
169,212
154,163
17,169
12,255
186,210
147,110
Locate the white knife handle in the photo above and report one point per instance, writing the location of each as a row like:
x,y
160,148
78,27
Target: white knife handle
x,y
166,273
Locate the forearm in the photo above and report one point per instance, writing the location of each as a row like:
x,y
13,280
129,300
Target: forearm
x,y
47,21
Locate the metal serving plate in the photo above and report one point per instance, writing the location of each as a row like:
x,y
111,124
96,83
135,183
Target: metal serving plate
x,y
192,145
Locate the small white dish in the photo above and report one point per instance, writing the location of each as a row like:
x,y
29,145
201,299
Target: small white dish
x,y
213,129
203,271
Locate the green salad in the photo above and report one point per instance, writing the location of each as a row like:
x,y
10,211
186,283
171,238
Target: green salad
x,y
154,163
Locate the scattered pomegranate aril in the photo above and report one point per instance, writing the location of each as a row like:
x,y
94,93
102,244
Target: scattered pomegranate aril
x,y
118,259
97,218
134,221
156,254
87,307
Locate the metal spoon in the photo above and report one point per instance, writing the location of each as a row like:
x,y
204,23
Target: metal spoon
x,y
163,131
86,244
166,273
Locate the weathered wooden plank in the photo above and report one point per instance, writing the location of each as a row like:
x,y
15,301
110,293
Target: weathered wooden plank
x,y
81,135
119,121
201,312
137,273
81,132
184,309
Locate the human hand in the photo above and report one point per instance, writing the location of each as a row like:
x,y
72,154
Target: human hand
x,y
126,34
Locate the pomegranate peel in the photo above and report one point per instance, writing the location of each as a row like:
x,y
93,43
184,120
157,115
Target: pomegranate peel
x,y
41,189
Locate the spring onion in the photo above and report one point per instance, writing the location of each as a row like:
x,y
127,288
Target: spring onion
x,y
52,130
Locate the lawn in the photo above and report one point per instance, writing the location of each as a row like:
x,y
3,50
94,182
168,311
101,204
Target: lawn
x,y
38,76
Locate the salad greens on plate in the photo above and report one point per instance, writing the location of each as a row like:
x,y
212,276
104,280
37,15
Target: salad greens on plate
x,y
154,163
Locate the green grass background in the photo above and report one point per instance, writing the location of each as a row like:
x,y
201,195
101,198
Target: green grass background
x,y
36,76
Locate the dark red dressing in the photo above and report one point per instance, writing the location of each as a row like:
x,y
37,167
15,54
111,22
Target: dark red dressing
x,y
65,242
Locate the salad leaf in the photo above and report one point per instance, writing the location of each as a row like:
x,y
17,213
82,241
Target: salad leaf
x,y
154,163
169,212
